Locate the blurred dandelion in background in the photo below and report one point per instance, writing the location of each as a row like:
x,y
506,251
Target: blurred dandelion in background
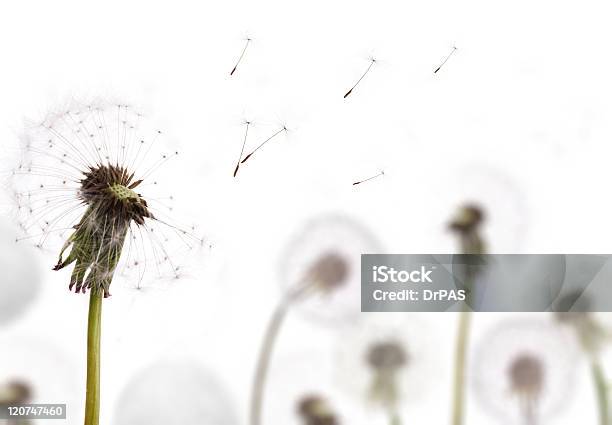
x,y
35,371
20,283
322,277
76,187
174,392
523,370
386,361
14,393
301,391
467,226
499,195
593,336
321,268
316,410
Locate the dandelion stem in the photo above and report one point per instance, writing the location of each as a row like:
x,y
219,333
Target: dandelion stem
x,y
263,363
599,380
460,361
394,418
94,331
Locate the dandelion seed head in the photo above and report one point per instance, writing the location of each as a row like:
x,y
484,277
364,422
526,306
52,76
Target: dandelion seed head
x,y
387,360
329,271
87,185
468,218
525,367
526,373
15,392
315,410
386,356
322,265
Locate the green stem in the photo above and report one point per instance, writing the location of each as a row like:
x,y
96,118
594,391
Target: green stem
x,y
601,390
94,331
261,373
395,418
460,365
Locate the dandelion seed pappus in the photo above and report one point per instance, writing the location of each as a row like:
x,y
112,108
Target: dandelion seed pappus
x,y
92,185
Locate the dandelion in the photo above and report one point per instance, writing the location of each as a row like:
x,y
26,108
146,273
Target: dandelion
x,y
316,410
466,225
33,370
83,177
301,390
322,274
573,311
175,392
15,393
523,370
385,361
20,283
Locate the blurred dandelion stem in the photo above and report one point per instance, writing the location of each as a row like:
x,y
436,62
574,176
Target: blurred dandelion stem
x,y
263,363
395,418
601,391
465,319
94,331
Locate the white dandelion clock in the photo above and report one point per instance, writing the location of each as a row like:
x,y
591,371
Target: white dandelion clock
x,y
37,371
523,370
96,181
387,361
20,283
87,187
322,274
321,270
174,392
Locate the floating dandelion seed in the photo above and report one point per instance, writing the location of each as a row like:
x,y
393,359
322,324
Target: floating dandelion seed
x,y
322,268
372,62
382,173
246,133
246,45
446,58
283,129
83,177
523,370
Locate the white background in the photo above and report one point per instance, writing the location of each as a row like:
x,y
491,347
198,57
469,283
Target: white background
x,y
518,119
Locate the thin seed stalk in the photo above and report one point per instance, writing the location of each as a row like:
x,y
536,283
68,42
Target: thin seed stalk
x,y
601,391
263,363
94,332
